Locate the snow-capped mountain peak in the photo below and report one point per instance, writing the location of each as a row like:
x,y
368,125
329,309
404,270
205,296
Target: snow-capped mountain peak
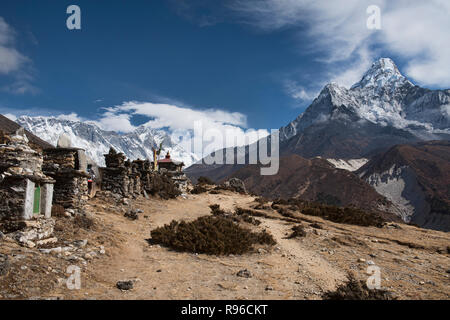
x,y
382,73
383,97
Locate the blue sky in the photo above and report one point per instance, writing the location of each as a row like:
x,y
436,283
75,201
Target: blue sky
x,y
258,62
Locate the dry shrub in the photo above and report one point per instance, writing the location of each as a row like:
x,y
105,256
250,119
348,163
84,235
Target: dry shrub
x,y
297,232
214,192
223,187
58,210
216,211
250,219
210,235
261,200
205,180
315,225
241,211
357,290
261,203
243,217
163,186
345,215
198,189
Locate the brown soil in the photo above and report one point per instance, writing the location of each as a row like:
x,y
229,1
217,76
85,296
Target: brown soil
x,y
414,262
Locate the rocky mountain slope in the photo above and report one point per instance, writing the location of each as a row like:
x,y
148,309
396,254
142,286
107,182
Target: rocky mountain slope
x,y
381,110
312,180
97,142
416,178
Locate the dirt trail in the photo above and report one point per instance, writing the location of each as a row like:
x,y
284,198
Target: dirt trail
x,y
294,269
290,271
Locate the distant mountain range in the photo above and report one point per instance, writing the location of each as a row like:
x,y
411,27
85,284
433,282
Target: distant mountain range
x,y
375,130
97,142
349,127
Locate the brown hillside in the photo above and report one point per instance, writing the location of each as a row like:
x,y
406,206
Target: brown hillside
x,y
312,180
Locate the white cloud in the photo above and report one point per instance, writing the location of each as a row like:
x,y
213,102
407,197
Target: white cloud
x,y
299,92
13,63
112,121
414,30
71,117
179,123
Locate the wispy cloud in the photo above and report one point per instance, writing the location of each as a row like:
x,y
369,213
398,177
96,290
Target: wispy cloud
x,y
178,121
14,64
336,32
299,92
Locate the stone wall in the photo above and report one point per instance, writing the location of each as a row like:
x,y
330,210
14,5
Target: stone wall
x,y
12,198
70,191
115,180
131,179
68,167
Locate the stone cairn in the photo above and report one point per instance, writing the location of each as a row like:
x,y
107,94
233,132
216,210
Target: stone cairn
x,y
116,175
68,166
18,164
133,178
20,170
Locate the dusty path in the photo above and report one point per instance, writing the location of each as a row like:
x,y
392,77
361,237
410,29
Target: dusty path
x,y
295,268
290,270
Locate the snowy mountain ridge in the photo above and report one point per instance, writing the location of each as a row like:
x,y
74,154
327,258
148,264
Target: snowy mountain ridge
x,y
97,142
384,97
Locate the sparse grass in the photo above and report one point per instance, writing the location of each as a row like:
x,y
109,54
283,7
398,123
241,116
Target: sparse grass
x,y
241,211
236,217
223,187
213,235
356,290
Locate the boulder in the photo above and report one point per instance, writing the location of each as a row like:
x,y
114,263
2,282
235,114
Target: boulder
x,y
125,285
244,273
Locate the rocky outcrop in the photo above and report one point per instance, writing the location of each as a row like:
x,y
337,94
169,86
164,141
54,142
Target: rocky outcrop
x,y
236,184
415,178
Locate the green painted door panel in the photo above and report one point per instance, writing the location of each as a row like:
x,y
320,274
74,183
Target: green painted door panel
x,y
37,200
